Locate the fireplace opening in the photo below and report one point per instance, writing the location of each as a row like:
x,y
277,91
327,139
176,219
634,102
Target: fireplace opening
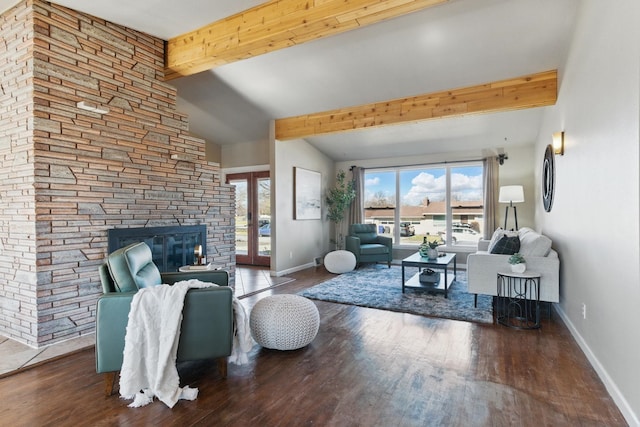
x,y
172,247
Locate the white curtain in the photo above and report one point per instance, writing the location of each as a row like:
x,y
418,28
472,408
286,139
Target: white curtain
x,y
490,196
355,210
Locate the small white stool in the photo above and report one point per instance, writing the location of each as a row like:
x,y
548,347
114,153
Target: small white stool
x,y
339,262
284,322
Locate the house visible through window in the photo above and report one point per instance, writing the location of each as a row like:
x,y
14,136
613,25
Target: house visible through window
x,y
444,203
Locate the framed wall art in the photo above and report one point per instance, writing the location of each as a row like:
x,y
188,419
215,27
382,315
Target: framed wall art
x,y
307,193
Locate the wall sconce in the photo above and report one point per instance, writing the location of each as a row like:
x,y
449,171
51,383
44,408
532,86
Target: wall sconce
x,y
558,143
92,106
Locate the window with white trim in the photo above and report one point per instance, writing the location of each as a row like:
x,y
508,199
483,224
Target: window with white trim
x,y
441,202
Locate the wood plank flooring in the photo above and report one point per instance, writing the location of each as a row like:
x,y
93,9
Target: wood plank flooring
x,y
365,368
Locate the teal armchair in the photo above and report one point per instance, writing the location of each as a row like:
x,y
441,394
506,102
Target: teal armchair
x,y
367,245
207,324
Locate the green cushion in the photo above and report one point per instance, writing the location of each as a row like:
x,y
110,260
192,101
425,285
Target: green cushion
x,y
140,262
365,232
132,268
119,271
373,249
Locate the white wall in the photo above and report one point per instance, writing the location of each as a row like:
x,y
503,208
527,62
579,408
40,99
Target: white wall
x,y
213,152
519,169
244,154
595,215
296,242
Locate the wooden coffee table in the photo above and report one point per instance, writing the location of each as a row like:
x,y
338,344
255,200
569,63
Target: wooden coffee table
x,y
440,263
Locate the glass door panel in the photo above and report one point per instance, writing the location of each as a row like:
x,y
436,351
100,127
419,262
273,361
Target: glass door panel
x,y
242,220
264,218
253,217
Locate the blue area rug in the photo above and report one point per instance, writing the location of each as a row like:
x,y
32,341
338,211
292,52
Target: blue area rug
x,y
376,286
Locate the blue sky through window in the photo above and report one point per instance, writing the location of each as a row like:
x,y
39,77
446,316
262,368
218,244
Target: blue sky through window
x,y
418,184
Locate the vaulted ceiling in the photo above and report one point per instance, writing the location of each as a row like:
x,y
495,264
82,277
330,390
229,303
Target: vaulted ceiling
x,y
457,44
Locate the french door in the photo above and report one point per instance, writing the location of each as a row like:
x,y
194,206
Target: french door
x,y
253,217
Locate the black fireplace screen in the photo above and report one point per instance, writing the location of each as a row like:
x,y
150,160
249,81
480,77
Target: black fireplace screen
x,y
172,247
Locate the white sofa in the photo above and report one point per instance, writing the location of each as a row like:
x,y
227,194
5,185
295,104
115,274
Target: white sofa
x,y
482,266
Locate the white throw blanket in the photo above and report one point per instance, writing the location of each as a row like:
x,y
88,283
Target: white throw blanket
x,y
242,340
151,344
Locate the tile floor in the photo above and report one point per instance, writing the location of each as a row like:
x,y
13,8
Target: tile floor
x,y
15,356
251,280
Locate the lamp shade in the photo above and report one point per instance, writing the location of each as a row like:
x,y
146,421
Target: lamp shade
x,y
511,194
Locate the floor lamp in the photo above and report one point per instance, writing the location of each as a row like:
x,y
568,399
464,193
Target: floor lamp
x,y
511,194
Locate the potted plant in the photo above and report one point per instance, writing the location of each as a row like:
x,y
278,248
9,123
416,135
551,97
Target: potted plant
x,y
517,263
338,200
429,248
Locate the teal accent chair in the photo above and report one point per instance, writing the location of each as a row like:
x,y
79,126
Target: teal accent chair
x,y
207,324
365,243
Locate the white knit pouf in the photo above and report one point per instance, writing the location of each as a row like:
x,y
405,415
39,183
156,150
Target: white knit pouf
x,y
284,322
339,262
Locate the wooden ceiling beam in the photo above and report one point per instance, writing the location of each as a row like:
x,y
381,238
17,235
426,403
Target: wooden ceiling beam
x,y
535,90
274,25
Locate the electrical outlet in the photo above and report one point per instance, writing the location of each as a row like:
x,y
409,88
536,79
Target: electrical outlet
x,y
290,254
584,310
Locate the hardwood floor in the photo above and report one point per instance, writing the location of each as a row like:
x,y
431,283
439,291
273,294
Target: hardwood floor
x,y
365,368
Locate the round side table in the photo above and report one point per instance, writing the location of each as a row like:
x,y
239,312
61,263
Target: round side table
x,y
518,300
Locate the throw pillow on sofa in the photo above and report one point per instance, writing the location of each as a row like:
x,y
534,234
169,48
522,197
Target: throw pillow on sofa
x,y
533,243
499,234
507,245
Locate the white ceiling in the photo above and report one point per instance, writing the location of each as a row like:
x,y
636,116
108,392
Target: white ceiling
x,y
460,43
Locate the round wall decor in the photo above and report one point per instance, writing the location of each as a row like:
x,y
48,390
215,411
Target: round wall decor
x,y
548,178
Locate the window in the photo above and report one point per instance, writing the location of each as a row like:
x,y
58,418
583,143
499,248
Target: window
x,y
444,203
380,200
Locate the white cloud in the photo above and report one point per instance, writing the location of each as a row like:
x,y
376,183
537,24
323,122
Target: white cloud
x,y
466,188
425,185
372,181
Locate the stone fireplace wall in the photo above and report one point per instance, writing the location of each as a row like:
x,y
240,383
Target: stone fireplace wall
x,y
69,175
18,279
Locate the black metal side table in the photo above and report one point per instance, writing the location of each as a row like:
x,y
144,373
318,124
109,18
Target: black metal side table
x,y
518,300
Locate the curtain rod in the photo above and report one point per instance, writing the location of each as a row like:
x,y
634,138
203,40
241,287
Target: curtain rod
x,y
422,164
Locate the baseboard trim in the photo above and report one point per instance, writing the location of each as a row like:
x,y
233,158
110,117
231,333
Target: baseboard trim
x,y
292,269
630,416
